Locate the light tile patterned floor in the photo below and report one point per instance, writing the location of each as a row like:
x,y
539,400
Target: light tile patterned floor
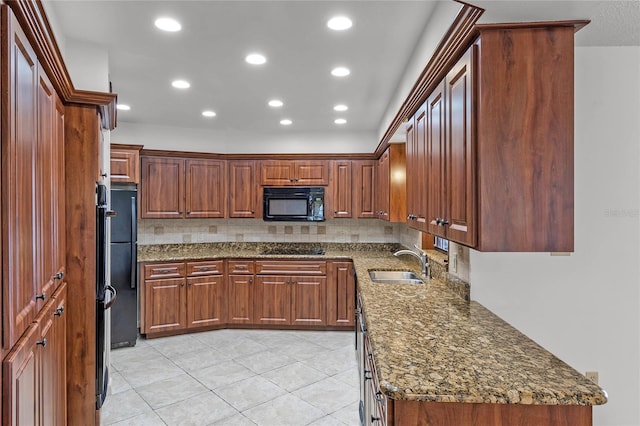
x,y
236,378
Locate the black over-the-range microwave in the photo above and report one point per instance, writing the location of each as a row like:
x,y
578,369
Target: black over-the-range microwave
x,y
293,204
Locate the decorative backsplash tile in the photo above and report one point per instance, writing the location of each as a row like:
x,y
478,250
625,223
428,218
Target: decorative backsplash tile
x,y
172,231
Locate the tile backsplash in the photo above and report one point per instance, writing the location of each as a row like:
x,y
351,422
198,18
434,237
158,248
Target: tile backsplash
x,y
171,231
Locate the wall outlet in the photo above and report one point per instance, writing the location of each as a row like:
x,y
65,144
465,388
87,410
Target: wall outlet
x,y
592,375
453,263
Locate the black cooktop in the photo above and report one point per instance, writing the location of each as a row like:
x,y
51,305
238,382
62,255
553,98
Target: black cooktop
x,y
304,251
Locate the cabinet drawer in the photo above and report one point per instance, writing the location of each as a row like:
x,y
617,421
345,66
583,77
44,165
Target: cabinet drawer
x,y
289,267
241,267
206,267
164,270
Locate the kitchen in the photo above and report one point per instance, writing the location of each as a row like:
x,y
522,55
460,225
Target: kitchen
x,y
562,302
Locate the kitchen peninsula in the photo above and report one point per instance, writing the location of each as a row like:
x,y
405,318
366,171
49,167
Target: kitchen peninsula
x,y
436,356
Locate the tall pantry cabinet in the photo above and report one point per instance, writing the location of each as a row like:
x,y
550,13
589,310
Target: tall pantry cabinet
x,y
46,288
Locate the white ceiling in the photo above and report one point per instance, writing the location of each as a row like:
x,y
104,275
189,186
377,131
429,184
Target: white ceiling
x,y
300,50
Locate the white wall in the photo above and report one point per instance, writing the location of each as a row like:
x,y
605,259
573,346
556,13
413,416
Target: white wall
x,y
88,65
443,15
585,307
238,142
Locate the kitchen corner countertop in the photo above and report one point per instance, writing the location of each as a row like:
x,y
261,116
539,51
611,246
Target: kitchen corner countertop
x,y
428,342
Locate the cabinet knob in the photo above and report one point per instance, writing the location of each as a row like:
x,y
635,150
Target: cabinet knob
x,y
42,297
59,311
181,284
42,342
253,211
375,419
250,280
58,276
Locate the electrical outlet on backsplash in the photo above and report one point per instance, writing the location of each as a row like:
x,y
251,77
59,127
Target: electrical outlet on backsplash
x,y
461,255
171,231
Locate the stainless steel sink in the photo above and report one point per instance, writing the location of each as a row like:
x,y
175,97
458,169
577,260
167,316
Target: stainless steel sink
x,y
395,277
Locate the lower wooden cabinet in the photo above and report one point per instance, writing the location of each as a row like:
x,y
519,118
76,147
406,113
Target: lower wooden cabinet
x,y
182,295
279,293
341,293
34,376
290,299
164,305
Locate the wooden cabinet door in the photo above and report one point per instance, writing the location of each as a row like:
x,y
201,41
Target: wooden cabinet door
x,y
243,189
276,173
205,192
240,299
460,166
364,205
20,381
292,173
164,305
342,189
308,300
125,165
205,301
58,196
419,178
311,173
19,100
341,294
162,188
272,299
57,389
382,185
435,161
412,173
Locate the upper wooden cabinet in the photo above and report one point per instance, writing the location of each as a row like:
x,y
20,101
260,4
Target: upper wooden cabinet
x,y
391,189
182,188
294,173
339,202
244,192
364,188
498,140
125,163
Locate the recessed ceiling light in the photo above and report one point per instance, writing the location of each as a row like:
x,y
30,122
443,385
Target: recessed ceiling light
x,y
339,23
168,24
208,113
123,107
340,121
275,103
255,59
181,84
286,122
340,107
340,72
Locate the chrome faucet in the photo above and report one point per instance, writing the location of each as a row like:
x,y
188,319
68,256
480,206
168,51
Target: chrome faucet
x,y
421,256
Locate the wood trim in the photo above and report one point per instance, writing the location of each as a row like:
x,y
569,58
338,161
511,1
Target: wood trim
x,y
33,20
576,24
125,146
451,46
186,154
81,155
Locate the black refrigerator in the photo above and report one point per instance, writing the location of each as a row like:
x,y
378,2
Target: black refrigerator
x,y
124,240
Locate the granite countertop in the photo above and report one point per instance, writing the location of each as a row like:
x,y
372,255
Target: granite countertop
x,y
428,342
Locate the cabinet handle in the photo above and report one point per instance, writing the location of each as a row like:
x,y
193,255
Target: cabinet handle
x,y
438,221
367,374
42,297
253,211
250,280
444,222
375,419
58,276
59,311
181,284
379,397
164,271
204,268
42,342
